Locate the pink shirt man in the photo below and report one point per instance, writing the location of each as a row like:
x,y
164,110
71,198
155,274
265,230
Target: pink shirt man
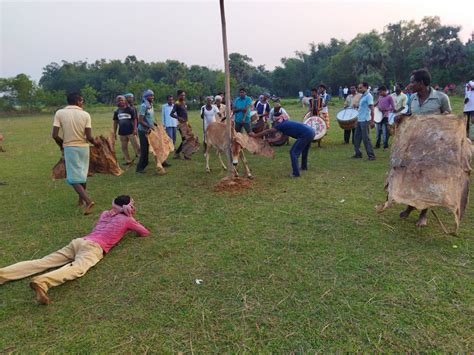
x,y
386,105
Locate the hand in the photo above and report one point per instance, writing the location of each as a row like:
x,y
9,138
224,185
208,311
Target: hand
x,y
135,132
252,134
97,142
372,124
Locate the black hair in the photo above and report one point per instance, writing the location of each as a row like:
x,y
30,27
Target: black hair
x,y
169,97
179,92
323,86
73,98
422,76
383,88
242,89
122,200
365,84
314,89
400,85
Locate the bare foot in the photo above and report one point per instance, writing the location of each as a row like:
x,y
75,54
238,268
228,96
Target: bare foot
x,y
422,221
41,296
89,207
406,212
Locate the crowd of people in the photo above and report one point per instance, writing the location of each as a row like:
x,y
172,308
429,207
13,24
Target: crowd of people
x,y
133,124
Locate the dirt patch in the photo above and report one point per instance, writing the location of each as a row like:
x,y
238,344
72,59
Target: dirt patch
x,y
233,184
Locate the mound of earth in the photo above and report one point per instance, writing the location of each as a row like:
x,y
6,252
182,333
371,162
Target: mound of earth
x,y
233,184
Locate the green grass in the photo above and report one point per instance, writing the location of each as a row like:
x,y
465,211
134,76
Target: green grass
x,y
287,266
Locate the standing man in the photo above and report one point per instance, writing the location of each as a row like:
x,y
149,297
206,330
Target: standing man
x,y
146,123
364,120
76,127
125,119
314,103
345,91
324,97
303,134
131,102
400,99
341,93
469,105
180,112
208,114
169,122
425,101
263,108
352,101
386,105
242,105
220,106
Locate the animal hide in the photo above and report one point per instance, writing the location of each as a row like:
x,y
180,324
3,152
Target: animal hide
x,y
1,148
191,141
102,160
256,146
430,164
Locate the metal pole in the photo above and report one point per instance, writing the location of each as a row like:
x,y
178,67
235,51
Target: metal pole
x,y
227,89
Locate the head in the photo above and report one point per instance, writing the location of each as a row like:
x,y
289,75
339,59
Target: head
x,y
121,101
353,90
181,95
363,87
149,95
322,89
277,106
209,100
420,80
314,92
218,99
242,93
74,98
124,204
169,99
383,91
266,96
130,98
399,88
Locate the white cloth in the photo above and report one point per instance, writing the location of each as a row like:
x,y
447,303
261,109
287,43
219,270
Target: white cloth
x,y
469,106
209,115
325,97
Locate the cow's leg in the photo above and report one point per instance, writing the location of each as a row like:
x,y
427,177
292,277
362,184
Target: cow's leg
x,y
246,166
220,159
206,155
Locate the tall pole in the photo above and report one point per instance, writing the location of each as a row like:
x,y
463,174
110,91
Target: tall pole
x,y
227,90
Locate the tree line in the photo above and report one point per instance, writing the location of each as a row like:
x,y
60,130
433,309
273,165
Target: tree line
x,y
378,58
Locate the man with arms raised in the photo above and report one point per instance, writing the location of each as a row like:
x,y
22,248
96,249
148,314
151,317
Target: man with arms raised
x,y
76,127
425,101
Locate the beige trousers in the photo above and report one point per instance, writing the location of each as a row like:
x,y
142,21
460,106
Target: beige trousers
x,y
124,145
75,258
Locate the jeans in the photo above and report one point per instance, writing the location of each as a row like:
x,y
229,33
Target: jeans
x,y
171,131
382,132
144,149
362,134
347,135
300,147
245,125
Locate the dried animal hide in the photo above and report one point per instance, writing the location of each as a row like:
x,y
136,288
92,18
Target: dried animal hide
x,y
430,164
191,141
161,145
256,146
102,160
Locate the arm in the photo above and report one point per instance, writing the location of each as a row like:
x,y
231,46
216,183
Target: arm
x,y
56,137
372,116
88,132
445,105
134,122
136,226
175,115
263,133
115,128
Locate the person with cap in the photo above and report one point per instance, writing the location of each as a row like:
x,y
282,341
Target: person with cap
x,y
81,254
131,102
146,123
241,109
469,106
303,134
169,122
125,119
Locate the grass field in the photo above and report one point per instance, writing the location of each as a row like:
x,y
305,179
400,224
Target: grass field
x,y
287,266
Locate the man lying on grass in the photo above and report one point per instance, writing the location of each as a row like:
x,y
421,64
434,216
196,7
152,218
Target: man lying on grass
x,y
80,254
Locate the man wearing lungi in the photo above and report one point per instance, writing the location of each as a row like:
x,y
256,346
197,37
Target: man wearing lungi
x,y
76,127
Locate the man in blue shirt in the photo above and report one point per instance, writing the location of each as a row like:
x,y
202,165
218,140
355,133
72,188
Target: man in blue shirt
x,y
169,122
303,134
364,120
241,110
146,123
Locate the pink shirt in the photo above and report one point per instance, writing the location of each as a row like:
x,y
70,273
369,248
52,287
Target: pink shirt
x,y
110,229
386,105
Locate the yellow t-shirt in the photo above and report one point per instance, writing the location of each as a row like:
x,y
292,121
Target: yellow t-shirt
x,y
73,122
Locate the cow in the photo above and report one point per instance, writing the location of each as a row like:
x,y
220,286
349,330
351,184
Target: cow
x,y
217,138
102,160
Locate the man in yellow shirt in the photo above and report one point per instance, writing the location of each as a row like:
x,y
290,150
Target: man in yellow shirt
x,y
76,128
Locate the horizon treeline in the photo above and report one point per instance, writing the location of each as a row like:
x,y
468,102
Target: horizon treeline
x,y
378,58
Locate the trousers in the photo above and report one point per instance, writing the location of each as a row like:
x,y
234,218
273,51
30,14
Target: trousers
x,y
362,134
124,145
144,150
300,147
75,260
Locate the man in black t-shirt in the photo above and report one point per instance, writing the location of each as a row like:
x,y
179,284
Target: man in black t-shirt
x,y
125,119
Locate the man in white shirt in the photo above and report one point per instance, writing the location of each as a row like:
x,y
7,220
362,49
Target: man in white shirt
x,y
169,122
469,105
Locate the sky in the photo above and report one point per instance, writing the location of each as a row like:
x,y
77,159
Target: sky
x,y
36,33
